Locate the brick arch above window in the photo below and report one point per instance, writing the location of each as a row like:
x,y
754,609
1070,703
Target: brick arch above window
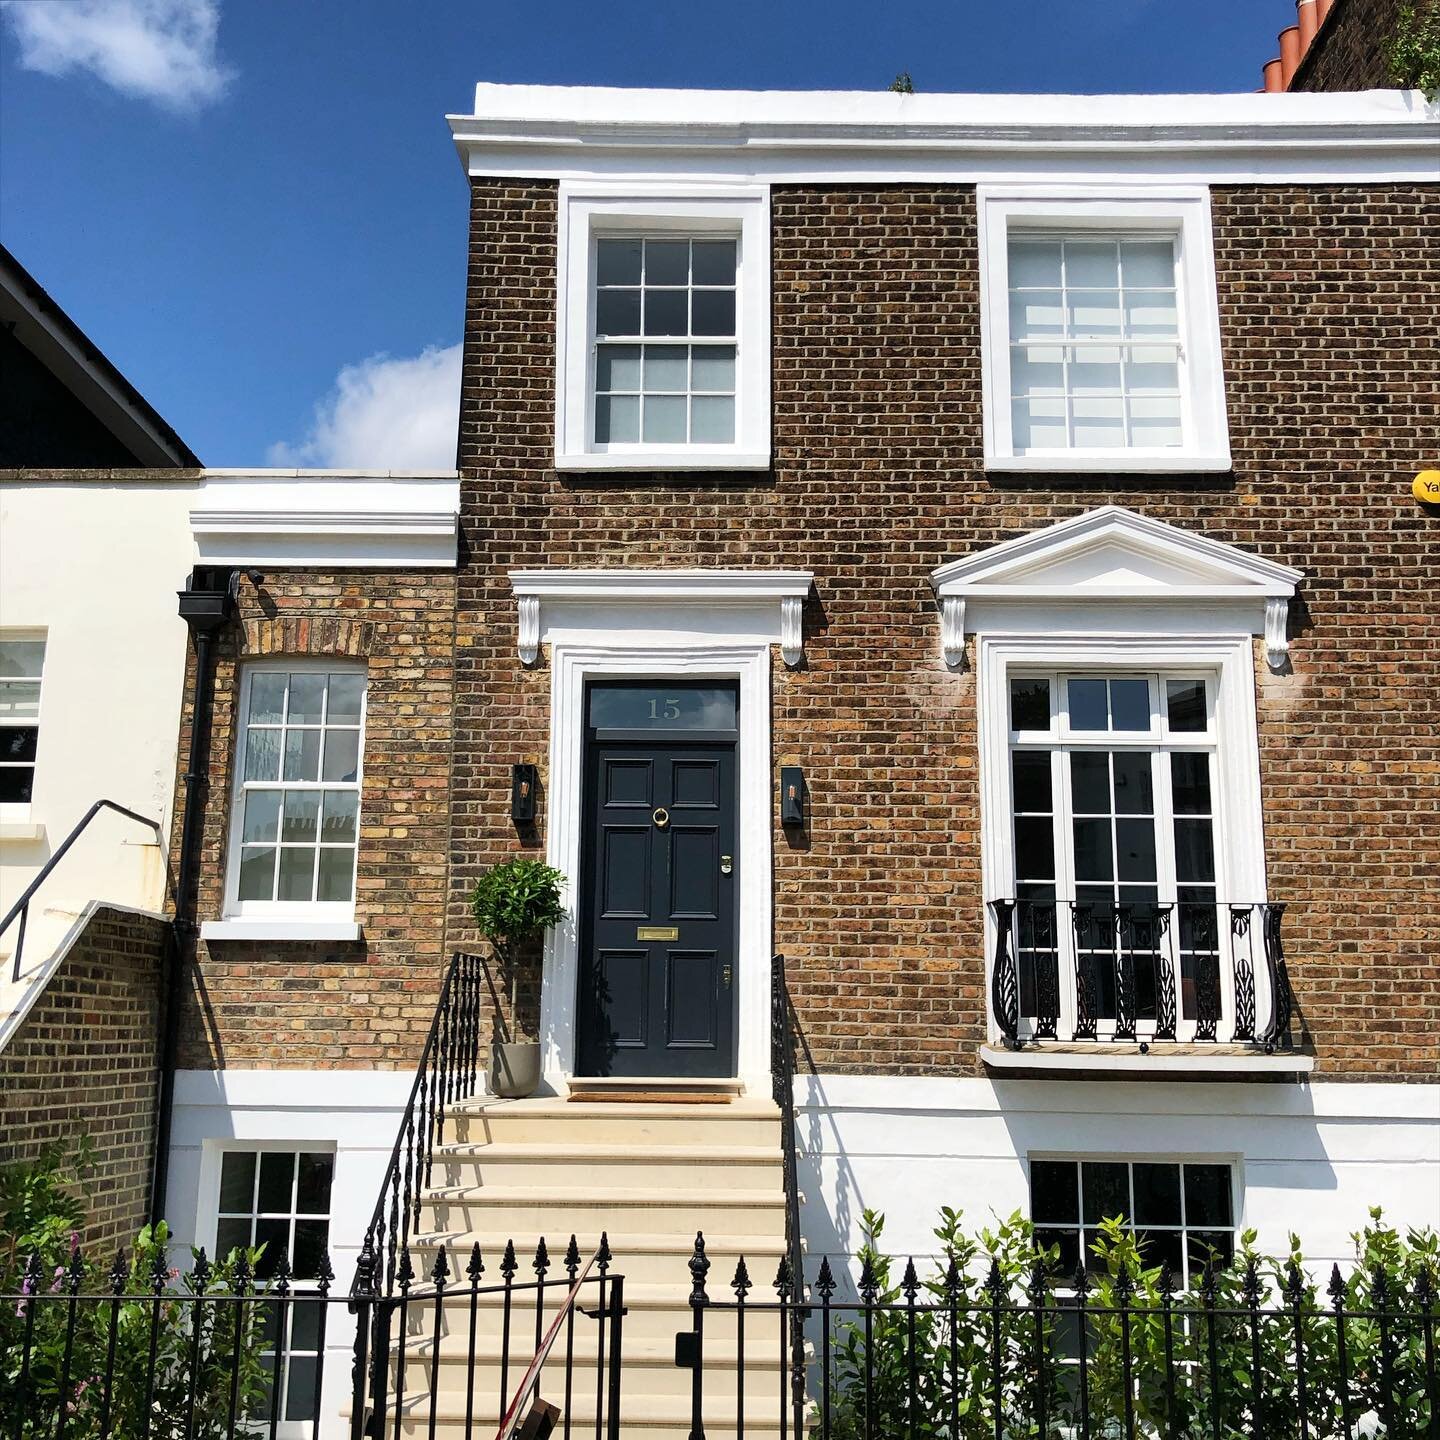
x,y
307,635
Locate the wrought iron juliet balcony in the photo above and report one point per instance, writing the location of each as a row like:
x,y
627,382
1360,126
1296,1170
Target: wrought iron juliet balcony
x,y
1140,972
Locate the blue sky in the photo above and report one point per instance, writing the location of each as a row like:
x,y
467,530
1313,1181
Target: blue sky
x,y
251,204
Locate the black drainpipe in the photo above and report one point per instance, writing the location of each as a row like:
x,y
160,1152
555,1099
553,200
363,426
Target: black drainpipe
x,y
207,605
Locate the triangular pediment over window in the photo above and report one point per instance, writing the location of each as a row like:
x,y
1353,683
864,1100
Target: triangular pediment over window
x,y
1114,556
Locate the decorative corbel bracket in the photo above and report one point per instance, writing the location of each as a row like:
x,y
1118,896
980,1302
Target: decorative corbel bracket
x,y
529,636
952,630
1277,638
792,629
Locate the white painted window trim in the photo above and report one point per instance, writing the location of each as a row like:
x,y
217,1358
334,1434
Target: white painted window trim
x,y
285,919
1179,210
1239,820
589,210
17,819
573,664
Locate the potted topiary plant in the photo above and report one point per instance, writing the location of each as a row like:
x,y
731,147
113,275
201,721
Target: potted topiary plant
x,y
514,903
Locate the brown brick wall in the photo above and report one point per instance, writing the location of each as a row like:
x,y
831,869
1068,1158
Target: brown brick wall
x,y
1348,53
365,1004
1330,298
85,1060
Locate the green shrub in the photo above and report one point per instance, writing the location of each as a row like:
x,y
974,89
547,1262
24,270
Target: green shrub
x,y
1413,49
513,903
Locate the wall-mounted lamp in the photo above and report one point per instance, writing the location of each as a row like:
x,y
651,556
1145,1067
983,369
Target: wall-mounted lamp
x,y
524,781
792,795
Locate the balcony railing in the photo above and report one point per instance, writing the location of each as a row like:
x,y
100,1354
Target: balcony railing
x,y
1167,972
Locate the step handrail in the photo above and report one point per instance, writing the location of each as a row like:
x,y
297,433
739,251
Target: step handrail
x,y
782,1074
22,906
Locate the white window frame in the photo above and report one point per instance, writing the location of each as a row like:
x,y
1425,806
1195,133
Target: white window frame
x,y
1182,211
19,813
333,919
591,212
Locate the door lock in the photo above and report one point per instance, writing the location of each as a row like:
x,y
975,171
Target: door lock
x,y
727,974
727,864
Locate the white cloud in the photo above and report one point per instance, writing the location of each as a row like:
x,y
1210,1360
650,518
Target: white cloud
x,y
162,50
385,413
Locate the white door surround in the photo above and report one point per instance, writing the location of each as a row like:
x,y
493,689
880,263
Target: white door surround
x,y
715,636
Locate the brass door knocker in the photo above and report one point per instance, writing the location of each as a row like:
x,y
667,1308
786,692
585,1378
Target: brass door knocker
x,y
661,818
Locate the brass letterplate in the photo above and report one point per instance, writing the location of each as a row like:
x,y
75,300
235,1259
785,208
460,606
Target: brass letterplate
x,y
658,932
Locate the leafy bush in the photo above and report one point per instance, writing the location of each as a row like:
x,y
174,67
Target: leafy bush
x,y
1227,1346
1413,49
514,902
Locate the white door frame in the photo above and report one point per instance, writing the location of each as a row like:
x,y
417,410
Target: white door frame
x,y
572,664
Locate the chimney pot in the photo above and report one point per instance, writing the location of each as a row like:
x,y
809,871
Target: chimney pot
x,y
1309,23
1273,85
1322,9
1289,54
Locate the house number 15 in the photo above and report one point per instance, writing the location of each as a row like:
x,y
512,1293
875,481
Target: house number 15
x,y
664,709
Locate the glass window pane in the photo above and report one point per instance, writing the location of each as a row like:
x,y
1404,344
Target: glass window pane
x,y
712,262
232,1235
1185,704
617,419
262,754
617,312
1106,1188
1098,424
1155,422
712,312
18,743
1031,772
1194,852
313,1193
277,1181
304,1325
21,659
1162,1247
1039,425
307,699
302,754
267,698
1090,782
1036,313
1067,1242
347,696
667,262
1150,312
1054,1194
1034,849
712,367
617,262
1092,850
1091,263
1087,705
300,1387
302,816
1092,312
712,419
1209,1246
667,367
617,367
341,808
20,699
17,784
665,419
1037,370
1135,850
342,755
665,312
262,816
1134,786
1190,783
1094,370
274,1235
1030,703
672,707
257,873
1152,370
237,1181
1147,263
337,873
1157,1194
1130,705
1034,263
311,1238
297,874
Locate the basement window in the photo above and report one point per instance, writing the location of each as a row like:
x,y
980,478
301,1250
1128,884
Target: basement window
x,y
22,660
1101,331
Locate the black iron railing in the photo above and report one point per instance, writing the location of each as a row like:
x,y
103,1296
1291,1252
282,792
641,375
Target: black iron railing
x,y
1142,972
21,908
791,1276
1241,1352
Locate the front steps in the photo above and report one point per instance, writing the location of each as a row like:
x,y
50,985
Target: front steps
x,y
651,1174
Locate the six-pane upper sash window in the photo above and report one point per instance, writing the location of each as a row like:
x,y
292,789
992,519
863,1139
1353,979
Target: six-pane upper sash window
x,y
1113,785
299,792
665,341
21,660
1095,344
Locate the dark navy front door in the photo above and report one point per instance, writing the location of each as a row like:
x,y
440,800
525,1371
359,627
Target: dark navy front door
x,y
657,921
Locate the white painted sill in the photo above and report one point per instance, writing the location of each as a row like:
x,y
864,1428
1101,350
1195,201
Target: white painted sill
x,y
664,460
18,831
1101,462
1163,1058
280,929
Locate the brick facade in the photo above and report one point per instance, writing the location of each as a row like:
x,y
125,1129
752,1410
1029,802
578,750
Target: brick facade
x,y
1348,52
85,1060
1329,297
364,1004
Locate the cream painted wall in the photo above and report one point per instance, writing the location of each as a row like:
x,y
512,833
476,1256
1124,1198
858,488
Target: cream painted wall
x,y
95,566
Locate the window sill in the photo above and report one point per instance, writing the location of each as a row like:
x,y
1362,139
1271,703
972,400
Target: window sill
x,y
664,460
1102,462
20,831
1163,1058
280,929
